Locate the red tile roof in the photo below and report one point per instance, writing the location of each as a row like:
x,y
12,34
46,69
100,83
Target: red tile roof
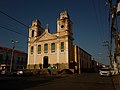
x,y
10,50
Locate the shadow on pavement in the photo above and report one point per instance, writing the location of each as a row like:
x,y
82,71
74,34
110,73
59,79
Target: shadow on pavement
x,y
19,83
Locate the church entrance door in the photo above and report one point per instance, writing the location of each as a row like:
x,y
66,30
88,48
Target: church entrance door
x,y
45,62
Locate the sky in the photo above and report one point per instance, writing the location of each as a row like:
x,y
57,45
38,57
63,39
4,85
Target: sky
x,y
89,17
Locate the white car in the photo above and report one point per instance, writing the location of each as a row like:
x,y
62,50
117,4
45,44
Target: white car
x,y
20,72
104,72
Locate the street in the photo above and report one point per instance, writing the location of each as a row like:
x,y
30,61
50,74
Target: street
x,y
86,81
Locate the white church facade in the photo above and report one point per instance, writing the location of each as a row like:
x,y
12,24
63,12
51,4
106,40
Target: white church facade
x,y
55,49
46,49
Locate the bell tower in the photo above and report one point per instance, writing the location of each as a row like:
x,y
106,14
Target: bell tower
x,y
65,34
64,23
35,30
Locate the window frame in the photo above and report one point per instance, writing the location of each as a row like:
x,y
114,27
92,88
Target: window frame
x,y
62,46
39,49
45,48
32,35
32,50
53,47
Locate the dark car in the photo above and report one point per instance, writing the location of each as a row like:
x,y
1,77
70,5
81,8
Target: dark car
x,y
65,71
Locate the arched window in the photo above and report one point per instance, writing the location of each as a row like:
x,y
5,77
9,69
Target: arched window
x,y
46,48
39,49
32,50
32,33
62,46
53,47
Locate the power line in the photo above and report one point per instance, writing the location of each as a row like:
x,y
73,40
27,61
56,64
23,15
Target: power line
x,y
14,19
107,14
97,20
100,7
13,31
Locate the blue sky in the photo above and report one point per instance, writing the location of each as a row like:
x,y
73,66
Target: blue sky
x,y
89,17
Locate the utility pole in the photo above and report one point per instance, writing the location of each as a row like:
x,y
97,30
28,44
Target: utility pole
x,y
13,42
114,9
108,45
117,39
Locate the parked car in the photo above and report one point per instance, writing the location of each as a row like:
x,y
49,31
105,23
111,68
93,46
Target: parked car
x,y
24,72
65,71
104,72
8,73
20,72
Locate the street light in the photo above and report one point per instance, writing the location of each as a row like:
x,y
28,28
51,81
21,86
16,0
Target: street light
x,y
13,42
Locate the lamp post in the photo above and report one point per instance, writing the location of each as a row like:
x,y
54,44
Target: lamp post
x,y
13,42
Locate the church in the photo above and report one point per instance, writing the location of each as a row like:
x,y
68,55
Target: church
x,y
46,49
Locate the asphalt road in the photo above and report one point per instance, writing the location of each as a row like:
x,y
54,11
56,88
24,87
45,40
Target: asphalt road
x,y
86,81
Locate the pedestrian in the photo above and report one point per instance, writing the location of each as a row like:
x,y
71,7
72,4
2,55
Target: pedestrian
x,y
75,69
49,70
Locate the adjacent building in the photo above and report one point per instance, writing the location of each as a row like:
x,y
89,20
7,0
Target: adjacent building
x,y
19,60
82,59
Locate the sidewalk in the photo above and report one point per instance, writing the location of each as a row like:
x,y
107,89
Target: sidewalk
x,y
116,82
